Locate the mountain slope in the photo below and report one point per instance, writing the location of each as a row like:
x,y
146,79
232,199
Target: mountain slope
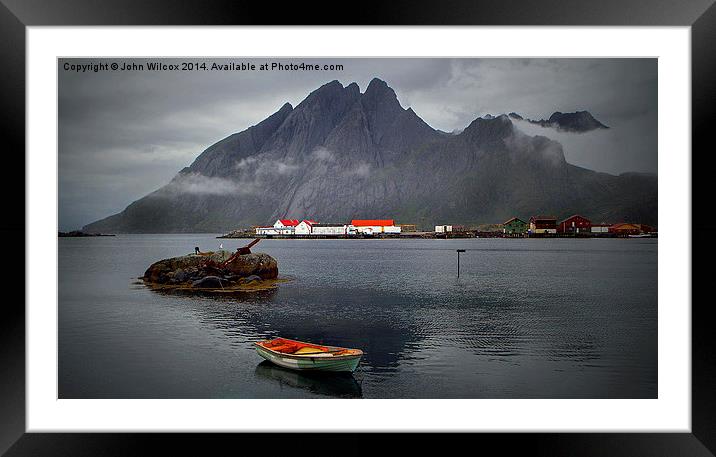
x,y
342,154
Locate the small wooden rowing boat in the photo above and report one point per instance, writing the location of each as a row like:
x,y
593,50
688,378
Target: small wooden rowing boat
x,y
297,355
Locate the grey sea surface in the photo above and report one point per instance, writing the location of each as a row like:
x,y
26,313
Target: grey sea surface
x,y
528,318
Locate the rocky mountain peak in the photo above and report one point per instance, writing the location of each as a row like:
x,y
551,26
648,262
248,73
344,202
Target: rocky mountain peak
x,y
353,88
310,123
377,85
379,93
489,128
324,94
579,121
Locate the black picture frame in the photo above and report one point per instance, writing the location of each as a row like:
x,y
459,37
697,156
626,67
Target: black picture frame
x,y
16,15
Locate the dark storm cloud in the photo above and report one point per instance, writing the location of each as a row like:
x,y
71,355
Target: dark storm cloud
x,y
125,134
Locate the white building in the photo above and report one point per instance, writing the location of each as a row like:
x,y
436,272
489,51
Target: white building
x,y
280,227
333,229
285,223
599,228
375,226
305,227
443,228
274,231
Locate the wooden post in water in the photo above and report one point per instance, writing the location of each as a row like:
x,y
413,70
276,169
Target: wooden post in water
x,y
458,261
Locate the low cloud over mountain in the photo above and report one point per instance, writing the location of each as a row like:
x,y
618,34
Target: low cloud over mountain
x,y
578,122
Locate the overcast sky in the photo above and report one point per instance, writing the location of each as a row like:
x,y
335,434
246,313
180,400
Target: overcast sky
x,y
123,134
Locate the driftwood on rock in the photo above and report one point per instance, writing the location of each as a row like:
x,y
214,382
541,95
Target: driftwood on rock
x,y
212,270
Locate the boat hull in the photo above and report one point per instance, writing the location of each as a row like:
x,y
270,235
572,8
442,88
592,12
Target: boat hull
x,y
339,364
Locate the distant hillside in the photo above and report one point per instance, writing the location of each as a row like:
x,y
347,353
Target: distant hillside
x,y
342,154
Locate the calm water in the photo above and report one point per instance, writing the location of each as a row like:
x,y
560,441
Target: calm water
x,y
527,318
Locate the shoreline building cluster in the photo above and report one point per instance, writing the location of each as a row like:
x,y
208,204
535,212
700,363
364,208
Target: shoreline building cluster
x,y
536,226
307,227
542,225
573,225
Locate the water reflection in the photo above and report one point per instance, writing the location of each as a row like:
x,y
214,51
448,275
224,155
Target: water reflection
x,y
229,295
284,312
342,385
381,341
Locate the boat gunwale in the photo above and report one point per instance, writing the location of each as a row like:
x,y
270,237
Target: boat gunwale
x,y
312,356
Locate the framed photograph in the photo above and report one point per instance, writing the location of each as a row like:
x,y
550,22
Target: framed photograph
x,y
469,219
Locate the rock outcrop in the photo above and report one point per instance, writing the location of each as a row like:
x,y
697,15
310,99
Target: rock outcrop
x,y
212,270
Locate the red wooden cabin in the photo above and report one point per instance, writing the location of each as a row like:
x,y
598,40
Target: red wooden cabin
x,y
575,224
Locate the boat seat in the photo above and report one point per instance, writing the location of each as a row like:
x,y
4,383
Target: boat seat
x,y
310,350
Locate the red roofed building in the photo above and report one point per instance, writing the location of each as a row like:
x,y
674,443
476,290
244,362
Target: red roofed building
x,y
305,227
575,224
373,226
647,228
280,227
372,222
625,229
286,223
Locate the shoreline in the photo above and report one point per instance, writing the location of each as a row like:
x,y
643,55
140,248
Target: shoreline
x,y
433,236
80,234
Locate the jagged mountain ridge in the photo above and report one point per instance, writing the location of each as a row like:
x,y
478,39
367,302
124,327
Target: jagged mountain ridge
x,y
342,154
577,122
